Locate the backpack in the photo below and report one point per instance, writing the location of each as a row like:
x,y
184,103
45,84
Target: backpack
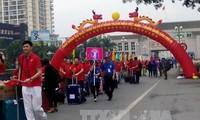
x,y
168,65
160,65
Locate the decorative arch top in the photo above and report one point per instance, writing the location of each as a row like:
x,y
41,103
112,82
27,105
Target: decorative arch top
x,y
135,26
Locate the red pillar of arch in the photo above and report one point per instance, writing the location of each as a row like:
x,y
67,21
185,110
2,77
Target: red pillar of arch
x,y
127,26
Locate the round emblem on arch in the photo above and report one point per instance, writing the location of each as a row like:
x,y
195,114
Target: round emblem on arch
x,y
184,46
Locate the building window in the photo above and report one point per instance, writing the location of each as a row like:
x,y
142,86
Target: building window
x,y
21,12
5,13
12,7
120,46
21,16
13,17
144,37
5,3
6,18
126,53
13,3
126,46
5,8
13,22
132,45
20,2
133,53
21,21
189,35
6,21
13,12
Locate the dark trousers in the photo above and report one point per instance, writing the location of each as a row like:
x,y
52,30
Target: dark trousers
x,y
155,73
135,76
165,73
95,89
109,85
160,71
81,83
150,72
52,99
140,72
82,86
87,85
69,81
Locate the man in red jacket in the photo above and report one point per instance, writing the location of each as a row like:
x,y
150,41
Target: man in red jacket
x,y
134,70
78,73
30,71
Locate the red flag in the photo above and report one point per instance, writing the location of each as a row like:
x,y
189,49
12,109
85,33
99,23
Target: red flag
x,y
12,82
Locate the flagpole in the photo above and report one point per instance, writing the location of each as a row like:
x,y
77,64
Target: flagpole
x,y
73,55
94,72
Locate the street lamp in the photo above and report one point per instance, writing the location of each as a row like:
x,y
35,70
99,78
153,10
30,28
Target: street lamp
x,y
150,51
136,47
144,48
123,40
179,35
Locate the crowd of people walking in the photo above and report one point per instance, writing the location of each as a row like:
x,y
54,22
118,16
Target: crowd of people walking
x,y
93,77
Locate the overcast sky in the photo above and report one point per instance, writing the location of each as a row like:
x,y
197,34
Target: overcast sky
x,y
68,12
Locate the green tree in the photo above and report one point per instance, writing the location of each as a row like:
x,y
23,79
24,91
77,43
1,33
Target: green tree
x,y
107,44
41,48
159,3
12,51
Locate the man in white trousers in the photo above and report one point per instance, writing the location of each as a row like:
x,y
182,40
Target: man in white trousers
x,y
30,71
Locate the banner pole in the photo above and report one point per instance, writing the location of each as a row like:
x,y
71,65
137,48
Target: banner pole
x,y
94,71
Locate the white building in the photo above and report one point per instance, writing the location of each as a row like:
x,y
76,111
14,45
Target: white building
x,y
38,14
185,32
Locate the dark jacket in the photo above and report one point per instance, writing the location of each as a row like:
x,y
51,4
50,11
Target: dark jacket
x,y
50,79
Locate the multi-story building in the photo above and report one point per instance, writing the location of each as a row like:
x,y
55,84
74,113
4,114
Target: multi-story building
x,y
37,14
184,32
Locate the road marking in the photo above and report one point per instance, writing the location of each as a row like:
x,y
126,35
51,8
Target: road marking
x,y
134,103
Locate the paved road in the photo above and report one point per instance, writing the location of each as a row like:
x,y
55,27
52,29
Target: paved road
x,y
152,99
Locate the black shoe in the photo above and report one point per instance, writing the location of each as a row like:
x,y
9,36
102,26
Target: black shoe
x,y
109,99
95,100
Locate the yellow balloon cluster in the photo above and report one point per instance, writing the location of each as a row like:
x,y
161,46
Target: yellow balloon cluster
x,y
115,16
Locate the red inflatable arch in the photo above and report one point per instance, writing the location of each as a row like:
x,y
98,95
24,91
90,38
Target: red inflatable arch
x,y
135,26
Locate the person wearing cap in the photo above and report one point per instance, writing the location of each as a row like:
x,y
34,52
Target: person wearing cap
x,y
108,69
